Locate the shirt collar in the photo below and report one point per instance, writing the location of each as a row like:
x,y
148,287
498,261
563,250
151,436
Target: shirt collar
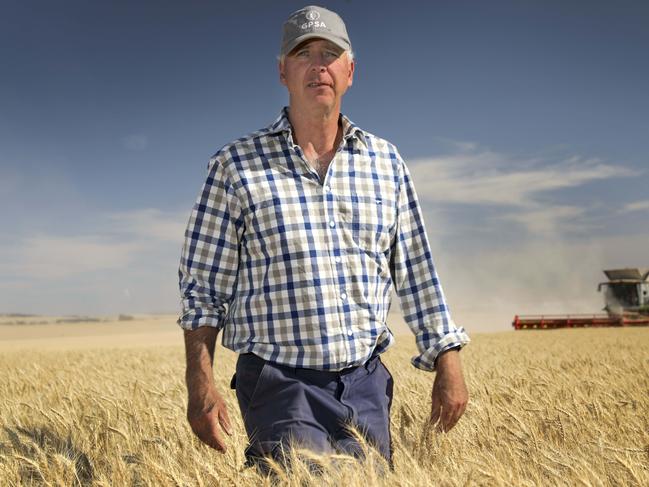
x,y
350,129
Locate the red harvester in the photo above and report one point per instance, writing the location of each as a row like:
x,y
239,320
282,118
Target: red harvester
x,y
627,304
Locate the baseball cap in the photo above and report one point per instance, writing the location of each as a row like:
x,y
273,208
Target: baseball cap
x,y
311,22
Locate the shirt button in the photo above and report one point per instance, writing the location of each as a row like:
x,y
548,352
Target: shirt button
x,y
332,223
343,296
350,332
338,260
327,187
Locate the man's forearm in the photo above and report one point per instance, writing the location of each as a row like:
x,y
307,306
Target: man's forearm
x,y
447,356
199,352
449,360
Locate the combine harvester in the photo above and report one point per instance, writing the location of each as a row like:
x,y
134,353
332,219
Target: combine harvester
x,y
627,304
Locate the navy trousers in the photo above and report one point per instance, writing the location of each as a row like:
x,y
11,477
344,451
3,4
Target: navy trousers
x,y
312,409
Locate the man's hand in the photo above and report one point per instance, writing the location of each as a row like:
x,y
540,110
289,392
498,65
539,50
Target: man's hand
x,y
206,409
450,395
205,413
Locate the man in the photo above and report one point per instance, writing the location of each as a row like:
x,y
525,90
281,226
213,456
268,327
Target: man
x,y
297,237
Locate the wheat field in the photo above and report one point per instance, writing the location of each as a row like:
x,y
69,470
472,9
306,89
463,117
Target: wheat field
x,y
561,407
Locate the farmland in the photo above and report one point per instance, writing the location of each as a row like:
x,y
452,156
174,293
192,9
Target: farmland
x,y
560,407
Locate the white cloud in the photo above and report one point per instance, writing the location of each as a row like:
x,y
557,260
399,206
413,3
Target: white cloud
x,y
519,188
123,262
150,223
115,242
50,257
490,178
636,206
548,220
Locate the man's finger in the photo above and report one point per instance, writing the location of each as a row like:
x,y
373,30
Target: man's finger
x,y
224,419
211,437
462,409
451,419
206,428
435,409
448,418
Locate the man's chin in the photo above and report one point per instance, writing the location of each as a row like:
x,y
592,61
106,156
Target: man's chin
x,y
318,103
324,101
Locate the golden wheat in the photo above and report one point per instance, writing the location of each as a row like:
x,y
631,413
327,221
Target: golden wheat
x,y
563,407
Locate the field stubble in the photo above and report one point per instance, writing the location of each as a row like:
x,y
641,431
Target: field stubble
x,y
563,407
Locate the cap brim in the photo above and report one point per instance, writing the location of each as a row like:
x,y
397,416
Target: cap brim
x,y
312,35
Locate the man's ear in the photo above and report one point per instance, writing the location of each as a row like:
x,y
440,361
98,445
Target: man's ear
x,y
282,76
352,65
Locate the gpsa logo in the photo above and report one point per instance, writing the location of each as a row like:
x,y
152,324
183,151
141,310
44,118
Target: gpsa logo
x,y
312,15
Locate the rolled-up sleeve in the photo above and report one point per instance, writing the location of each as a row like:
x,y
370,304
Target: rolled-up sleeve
x,y
416,282
209,261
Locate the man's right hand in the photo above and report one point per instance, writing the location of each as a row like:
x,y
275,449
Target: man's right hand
x,y
206,409
206,413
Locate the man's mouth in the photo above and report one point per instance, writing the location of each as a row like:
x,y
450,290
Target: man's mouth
x,y
316,84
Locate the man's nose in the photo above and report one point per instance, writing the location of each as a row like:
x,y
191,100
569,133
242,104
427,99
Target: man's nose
x,y
318,63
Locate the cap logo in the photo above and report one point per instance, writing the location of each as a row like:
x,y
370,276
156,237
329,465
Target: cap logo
x,y
312,15
316,24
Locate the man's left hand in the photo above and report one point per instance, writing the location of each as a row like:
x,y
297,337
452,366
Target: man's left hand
x,y
450,395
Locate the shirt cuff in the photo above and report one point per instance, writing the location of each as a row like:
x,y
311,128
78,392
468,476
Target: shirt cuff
x,y
428,359
457,347
194,319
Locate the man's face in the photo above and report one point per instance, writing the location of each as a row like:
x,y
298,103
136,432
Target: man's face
x,y
317,74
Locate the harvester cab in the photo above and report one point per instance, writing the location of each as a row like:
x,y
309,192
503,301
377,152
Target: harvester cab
x,y
626,292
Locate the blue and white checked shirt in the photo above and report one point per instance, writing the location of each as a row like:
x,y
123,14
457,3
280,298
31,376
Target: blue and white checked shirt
x,y
298,270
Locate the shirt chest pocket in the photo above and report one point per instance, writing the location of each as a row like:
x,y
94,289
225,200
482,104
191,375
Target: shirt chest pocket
x,y
277,224
265,224
370,220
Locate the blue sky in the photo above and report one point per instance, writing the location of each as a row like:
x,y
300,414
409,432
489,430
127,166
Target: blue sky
x,y
525,124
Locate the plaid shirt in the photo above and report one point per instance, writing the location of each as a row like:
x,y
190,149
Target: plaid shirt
x,y
299,271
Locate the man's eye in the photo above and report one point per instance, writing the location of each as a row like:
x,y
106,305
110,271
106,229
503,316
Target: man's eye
x,y
302,53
